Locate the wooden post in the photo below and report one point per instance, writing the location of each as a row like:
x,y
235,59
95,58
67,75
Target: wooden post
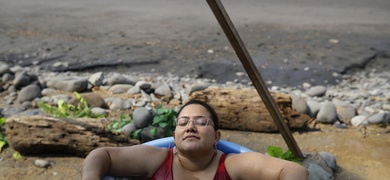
x,y
246,60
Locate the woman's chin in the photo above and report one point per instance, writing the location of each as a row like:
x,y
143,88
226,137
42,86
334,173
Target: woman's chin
x,y
190,146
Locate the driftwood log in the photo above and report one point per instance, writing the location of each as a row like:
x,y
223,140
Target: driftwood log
x,y
41,134
243,109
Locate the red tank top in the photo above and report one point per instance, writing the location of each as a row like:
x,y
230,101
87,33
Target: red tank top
x,y
165,170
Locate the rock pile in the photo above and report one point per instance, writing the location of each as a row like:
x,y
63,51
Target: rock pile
x,y
357,100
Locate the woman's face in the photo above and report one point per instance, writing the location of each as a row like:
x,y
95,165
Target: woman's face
x,y
195,136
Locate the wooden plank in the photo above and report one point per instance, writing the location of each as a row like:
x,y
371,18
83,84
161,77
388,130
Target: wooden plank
x,y
246,60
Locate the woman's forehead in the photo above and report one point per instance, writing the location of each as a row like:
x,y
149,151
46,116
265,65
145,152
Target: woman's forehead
x,y
194,110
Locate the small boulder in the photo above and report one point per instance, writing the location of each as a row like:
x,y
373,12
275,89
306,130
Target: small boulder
x,y
318,91
299,104
29,93
327,113
142,117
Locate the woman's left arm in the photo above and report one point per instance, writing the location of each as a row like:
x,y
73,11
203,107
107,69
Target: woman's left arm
x,y
256,165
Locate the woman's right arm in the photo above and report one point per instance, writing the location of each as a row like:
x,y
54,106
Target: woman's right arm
x,y
140,160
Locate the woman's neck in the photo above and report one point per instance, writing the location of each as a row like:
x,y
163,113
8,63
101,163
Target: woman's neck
x,y
195,164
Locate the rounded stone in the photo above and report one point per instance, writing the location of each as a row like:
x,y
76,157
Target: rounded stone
x,y
316,91
327,113
42,163
142,117
329,159
299,104
359,120
128,129
29,93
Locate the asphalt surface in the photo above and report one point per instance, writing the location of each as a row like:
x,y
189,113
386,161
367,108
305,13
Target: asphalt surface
x,y
290,42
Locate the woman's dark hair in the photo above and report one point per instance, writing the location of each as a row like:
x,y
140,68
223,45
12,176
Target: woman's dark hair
x,y
214,115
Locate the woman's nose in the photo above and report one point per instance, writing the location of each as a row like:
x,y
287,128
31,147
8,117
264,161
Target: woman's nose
x,y
191,127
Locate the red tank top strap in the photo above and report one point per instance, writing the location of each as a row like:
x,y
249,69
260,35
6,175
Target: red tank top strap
x,y
221,173
165,170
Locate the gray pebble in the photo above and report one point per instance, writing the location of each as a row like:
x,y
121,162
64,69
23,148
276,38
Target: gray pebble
x,y
145,96
382,117
7,77
117,78
21,80
99,111
42,163
48,91
314,108
329,159
164,90
96,79
66,98
316,91
32,112
119,104
128,129
120,88
4,68
29,93
134,90
11,89
299,104
359,120
346,112
143,85
142,117
147,136
139,103
70,83
327,113
10,111
318,173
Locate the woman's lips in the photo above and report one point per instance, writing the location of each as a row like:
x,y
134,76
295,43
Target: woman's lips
x,y
191,137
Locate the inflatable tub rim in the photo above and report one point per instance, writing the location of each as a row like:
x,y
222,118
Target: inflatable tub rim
x,y
225,146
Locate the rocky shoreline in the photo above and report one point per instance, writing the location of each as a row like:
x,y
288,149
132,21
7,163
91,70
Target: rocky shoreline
x,y
357,100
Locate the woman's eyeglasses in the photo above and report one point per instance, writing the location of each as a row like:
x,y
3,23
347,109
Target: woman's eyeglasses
x,y
200,121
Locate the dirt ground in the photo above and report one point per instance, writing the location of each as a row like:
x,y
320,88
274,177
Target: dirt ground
x,y
357,157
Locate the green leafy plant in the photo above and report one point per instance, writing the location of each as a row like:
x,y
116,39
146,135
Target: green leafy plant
x,y
3,141
67,110
16,155
3,138
116,126
162,117
277,152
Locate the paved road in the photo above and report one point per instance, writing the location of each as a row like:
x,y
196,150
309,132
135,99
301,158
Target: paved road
x,y
288,39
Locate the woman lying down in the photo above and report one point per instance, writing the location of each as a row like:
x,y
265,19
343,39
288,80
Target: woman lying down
x,y
194,156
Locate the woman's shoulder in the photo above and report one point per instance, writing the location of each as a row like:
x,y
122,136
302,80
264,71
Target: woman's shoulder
x,y
157,152
235,164
245,155
139,153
